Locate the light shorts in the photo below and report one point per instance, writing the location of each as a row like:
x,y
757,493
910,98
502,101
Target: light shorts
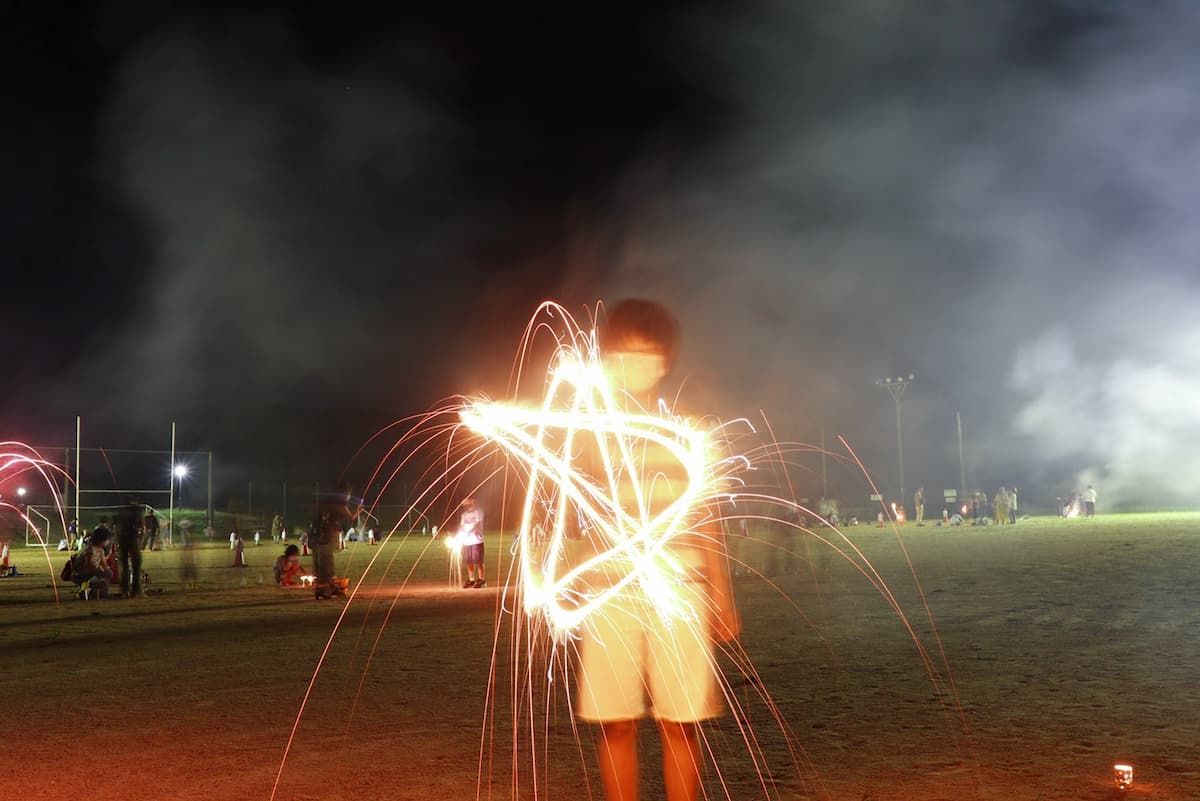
x,y
627,652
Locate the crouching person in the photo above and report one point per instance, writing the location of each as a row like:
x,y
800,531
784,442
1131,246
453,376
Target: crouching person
x,y
287,568
89,567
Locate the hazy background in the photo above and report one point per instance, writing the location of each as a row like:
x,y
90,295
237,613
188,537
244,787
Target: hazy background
x,y
284,230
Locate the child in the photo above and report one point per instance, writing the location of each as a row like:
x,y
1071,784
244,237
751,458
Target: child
x,y
470,535
287,568
625,649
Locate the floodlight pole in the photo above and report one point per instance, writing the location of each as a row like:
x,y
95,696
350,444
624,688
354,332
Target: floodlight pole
x,y
210,506
78,459
895,388
962,464
171,492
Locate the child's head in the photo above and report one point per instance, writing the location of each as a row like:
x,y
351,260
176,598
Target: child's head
x,y
291,550
638,343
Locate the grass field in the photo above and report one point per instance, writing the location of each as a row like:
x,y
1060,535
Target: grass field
x,y
1072,644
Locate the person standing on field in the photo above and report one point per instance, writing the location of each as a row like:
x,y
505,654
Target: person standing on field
x,y
1090,500
627,652
470,536
129,552
919,503
150,530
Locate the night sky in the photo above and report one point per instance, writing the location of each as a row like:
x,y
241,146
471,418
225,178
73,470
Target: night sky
x,y
284,229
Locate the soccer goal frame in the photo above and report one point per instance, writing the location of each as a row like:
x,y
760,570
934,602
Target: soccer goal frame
x,y
32,532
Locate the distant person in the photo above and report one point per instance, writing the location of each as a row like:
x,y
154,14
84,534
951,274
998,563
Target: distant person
x,y
187,561
919,503
330,523
276,527
239,551
1000,506
1062,506
470,535
1012,506
1090,500
125,526
150,529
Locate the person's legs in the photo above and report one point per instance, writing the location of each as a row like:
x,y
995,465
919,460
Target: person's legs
x,y
125,562
617,752
681,760
135,567
323,567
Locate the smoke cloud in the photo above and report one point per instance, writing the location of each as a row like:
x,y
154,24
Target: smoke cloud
x,y
1000,202
995,198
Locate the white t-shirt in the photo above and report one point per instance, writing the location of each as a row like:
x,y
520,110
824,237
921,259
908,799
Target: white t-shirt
x,y
470,527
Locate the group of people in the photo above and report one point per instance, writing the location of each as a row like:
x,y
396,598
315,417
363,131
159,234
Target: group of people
x,y
111,554
1078,504
1002,508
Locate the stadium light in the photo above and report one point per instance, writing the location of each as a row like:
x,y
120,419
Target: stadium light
x,y
181,471
895,387
20,492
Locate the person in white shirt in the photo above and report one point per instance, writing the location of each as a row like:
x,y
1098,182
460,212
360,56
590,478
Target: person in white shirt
x,y
470,535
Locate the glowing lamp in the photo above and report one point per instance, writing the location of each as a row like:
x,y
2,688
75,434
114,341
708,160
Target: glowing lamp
x,y
20,492
181,471
1123,776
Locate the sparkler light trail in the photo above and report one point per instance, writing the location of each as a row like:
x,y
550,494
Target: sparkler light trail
x,y
18,459
584,415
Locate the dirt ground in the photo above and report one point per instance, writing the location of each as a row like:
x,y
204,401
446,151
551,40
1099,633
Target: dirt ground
x,y
1065,646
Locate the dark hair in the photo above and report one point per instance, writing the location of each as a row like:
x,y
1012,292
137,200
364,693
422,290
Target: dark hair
x,y
291,550
637,324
